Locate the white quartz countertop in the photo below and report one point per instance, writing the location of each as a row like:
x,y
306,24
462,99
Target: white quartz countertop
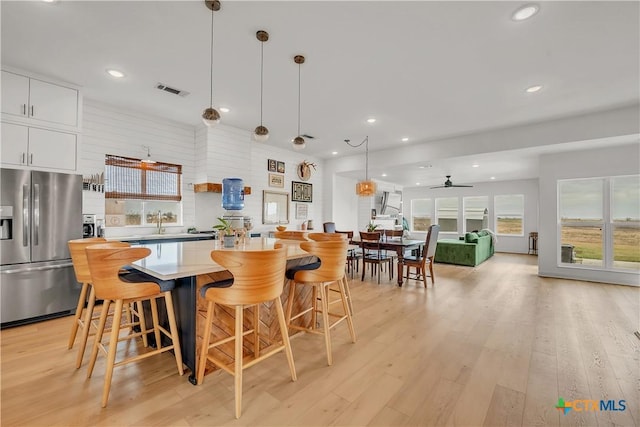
x,y
164,236
184,259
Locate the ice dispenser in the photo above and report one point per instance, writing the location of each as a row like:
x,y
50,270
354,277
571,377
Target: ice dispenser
x,y
6,222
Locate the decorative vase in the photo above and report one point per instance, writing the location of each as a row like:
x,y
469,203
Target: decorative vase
x,y
229,240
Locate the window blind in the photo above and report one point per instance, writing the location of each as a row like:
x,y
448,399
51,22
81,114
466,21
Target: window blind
x,y
129,178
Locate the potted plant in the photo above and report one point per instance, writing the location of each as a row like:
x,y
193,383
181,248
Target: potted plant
x,y
372,227
228,235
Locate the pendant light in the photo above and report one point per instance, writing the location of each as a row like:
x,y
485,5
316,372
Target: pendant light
x,y
261,133
298,142
148,160
210,116
367,187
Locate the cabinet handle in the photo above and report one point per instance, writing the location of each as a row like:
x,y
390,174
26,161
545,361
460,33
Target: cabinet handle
x,y
32,111
24,109
24,158
31,159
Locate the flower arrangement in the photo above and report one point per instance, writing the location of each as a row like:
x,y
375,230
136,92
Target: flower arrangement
x,y
224,226
372,227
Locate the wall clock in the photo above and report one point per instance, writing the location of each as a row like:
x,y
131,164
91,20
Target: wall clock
x,y
304,170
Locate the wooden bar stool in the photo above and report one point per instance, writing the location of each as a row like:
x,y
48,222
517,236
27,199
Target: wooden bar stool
x,y
83,275
105,263
328,236
258,277
332,255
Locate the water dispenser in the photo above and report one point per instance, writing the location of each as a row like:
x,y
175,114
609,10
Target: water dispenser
x,y
6,222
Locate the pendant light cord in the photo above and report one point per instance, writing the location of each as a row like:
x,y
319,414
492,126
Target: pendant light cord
x,y
366,154
261,76
211,64
299,99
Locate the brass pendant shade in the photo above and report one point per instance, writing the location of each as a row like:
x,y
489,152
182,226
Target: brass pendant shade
x,y
261,133
211,116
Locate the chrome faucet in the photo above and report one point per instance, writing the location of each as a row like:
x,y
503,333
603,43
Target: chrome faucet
x,y
159,221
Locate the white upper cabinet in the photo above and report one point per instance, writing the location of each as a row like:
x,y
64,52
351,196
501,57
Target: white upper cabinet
x,y
34,101
38,148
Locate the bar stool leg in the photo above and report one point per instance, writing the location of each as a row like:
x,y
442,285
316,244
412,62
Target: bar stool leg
x,y
111,355
204,346
325,321
156,322
256,330
348,293
284,331
175,337
98,337
77,319
238,360
87,326
292,290
352,330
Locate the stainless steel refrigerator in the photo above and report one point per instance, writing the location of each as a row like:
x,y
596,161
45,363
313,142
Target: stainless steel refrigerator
x,y
39,213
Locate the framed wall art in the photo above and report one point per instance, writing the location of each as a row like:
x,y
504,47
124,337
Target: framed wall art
x,y
280,167
272,165
301,191
275,207
276,180
302,210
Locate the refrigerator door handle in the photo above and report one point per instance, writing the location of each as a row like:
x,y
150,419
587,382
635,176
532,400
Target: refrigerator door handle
x,y
36,213
43,268
25,215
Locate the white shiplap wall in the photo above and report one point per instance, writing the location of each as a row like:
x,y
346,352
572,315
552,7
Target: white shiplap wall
x,y
111,130
231,153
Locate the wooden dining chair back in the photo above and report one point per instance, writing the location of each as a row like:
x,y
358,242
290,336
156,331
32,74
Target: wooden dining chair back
x,y
329,227
84,318
373,254
291,235
258,277
105,263
332,255
390,234
425,258
353,256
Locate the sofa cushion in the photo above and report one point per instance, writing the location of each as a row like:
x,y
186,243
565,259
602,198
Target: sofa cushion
x,y
483,233
471,237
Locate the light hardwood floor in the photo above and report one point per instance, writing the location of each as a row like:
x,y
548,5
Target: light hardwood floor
x,y
492,345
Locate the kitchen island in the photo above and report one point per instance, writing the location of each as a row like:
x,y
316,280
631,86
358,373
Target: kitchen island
x,y
190,265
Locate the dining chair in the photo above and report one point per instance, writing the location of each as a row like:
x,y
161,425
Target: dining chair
x,y
257,278
373,254
105,262
333,255
420,261
329,227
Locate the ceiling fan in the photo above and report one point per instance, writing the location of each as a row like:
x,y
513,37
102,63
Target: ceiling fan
x,y
448,184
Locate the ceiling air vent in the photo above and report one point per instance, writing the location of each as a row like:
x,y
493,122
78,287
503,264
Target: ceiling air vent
x,y
166,88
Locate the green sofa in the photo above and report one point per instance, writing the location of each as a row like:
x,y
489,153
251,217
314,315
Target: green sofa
x,y
471,250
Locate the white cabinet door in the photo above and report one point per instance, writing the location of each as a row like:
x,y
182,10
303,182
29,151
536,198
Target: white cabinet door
x,y
13,147
51,149
15,94
53,103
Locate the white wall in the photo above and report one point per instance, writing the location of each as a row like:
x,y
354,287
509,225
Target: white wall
x,y
612,161
231,153
111,130
515,244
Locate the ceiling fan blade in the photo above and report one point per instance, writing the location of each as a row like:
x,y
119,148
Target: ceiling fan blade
x,y
455,185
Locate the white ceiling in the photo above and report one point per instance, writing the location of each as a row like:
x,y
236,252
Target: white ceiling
x,y
425,70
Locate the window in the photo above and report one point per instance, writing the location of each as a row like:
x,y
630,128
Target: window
x,y
141,194
475,213
447,214
625,222
599,221
420,214
509,214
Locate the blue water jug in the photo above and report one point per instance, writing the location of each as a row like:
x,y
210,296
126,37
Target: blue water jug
x,y
232,194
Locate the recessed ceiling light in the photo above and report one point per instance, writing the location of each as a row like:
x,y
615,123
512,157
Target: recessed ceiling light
x,y
421,167
334,152
533,89
417,183
115,73
475,166
405,139
493,177
525,12
50,1
371,120
384,174
224,110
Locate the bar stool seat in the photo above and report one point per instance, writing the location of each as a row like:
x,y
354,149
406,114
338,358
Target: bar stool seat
x,y
258,277
105,262
332,255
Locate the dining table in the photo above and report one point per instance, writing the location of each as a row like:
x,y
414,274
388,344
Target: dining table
x,y
398,244
190,265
